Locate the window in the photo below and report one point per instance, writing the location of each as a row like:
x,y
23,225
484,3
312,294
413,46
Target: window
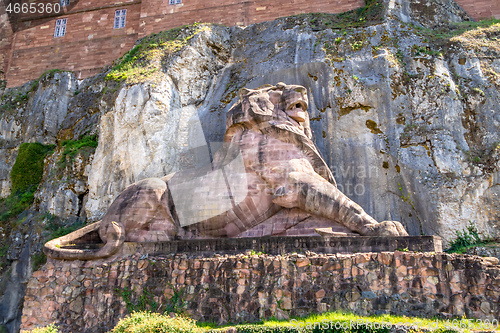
x,y
174,2
120,18
60,28
64,3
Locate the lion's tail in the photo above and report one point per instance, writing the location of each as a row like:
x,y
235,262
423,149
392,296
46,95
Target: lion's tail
x,y
54,248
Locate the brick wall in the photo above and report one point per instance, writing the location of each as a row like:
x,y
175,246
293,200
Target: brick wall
x,y
6,37
75,7
157,15
481,9
91,42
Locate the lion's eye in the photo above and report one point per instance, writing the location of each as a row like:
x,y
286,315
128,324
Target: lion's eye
x,y
298,106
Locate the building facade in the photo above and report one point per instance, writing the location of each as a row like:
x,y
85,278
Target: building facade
x,y
85,35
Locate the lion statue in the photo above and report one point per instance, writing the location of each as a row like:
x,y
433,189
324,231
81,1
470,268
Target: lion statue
x,y
268,175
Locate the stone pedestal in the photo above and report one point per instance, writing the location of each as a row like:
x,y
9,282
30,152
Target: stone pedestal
x,y
283,245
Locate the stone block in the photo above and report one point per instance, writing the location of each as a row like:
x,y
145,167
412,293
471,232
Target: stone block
x,y
301,262
320,293
286,303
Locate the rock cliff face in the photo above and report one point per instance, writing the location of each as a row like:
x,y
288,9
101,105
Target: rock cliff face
x,y
409,127
407,119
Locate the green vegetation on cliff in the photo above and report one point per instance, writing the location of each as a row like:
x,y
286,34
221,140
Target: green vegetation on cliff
x,y
74,147
25,176
58,227
147,56
27,171
467,239
13,98
480,30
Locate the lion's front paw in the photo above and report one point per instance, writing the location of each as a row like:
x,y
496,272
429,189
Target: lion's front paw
x,y
385,228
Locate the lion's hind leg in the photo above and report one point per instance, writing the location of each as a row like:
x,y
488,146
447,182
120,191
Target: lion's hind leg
x,y
143,209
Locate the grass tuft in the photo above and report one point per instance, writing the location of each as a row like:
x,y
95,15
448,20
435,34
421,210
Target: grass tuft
x,y
466,239
150,322
47,329
73,147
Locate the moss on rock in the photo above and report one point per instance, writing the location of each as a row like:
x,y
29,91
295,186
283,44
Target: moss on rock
x,y
28,169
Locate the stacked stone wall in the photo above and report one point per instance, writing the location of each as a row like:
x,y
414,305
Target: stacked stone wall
x,y
84,296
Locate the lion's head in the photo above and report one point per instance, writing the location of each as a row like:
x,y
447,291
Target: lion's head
x,y
280,104
279,111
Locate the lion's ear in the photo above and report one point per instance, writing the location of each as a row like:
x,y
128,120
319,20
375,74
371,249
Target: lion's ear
x,y
242,92
280,86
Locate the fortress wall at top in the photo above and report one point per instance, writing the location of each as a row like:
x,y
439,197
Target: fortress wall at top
x,y
481,9
91,42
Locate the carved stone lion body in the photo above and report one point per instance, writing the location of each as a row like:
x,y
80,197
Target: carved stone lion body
x,y
268,165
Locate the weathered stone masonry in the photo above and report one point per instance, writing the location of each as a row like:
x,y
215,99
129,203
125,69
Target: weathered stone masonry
x,y
81,296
